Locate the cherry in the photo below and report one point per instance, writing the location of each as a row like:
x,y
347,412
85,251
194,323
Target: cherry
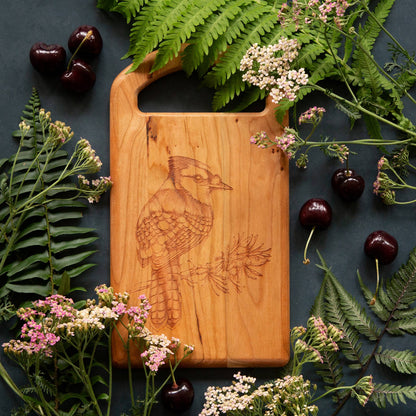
x,y
382,247
347,184
315,213
178,396
47,59
90,47
79,77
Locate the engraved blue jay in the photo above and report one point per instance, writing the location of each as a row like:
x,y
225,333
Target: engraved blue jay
x,y
177,218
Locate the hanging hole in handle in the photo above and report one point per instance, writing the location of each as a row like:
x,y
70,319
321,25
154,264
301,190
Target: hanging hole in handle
x,y
177,92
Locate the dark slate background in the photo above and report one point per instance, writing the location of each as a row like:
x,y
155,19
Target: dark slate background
x,y
23,23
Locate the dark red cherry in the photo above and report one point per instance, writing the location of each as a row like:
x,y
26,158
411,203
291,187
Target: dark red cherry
x,y
382,246
347,184
48,59
79,77
178,396
315,213
91,46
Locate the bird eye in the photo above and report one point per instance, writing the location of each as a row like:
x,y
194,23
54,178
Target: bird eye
x,y
198,178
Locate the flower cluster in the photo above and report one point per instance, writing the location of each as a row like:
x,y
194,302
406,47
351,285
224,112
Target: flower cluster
x,y
312,116
386,186
87,160
56,319
93,189
316,338
308,11
290,142
56,328
283,396
270,68
363,390
59,133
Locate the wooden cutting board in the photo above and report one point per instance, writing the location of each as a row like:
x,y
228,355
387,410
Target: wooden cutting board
x,y
200,225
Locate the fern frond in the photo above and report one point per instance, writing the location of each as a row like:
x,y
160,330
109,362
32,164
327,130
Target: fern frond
x,y
215,26
195,15
42,244
402,326
249,13
128,8
330,371
230,60
384,394
354,313
377,307
400,361
402,286
232,88
350,344
106,4
138,30
371,28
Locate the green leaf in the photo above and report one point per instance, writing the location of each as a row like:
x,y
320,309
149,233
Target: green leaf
x,y
60,246
402,326
38,290
18,266
400,361
65,284
378,307
384,394
58,231
352,310
36,203
71,260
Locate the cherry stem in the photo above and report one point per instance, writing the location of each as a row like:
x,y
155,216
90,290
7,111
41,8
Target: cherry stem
x,y
373,301
305,259
87,36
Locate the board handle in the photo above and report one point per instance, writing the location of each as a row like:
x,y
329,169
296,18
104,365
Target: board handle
x,y
128,85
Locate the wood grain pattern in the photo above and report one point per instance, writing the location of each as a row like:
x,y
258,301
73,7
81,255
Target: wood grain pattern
x,y
200,224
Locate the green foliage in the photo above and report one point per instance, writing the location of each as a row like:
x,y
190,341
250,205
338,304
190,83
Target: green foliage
x,y
212,37
41,247
217,34
393,307
387,394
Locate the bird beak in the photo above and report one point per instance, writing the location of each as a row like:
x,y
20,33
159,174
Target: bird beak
x,y
217,183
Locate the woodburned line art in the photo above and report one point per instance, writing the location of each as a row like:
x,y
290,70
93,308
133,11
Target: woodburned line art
x,y
177,218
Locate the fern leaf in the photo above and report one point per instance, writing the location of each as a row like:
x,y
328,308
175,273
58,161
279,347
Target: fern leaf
x,y
353,312
128,8
232,88
318,308
143,21
215,26
402,286
40,236
350,344
195,15
371,28
248,14
106,4
230,61
384,394
402,326
378,307
400,361
330,371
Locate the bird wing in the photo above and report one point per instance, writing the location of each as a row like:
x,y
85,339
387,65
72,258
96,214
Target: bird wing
x,y
167,228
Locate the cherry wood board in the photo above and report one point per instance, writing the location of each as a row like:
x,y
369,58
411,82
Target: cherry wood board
x,y
200,225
